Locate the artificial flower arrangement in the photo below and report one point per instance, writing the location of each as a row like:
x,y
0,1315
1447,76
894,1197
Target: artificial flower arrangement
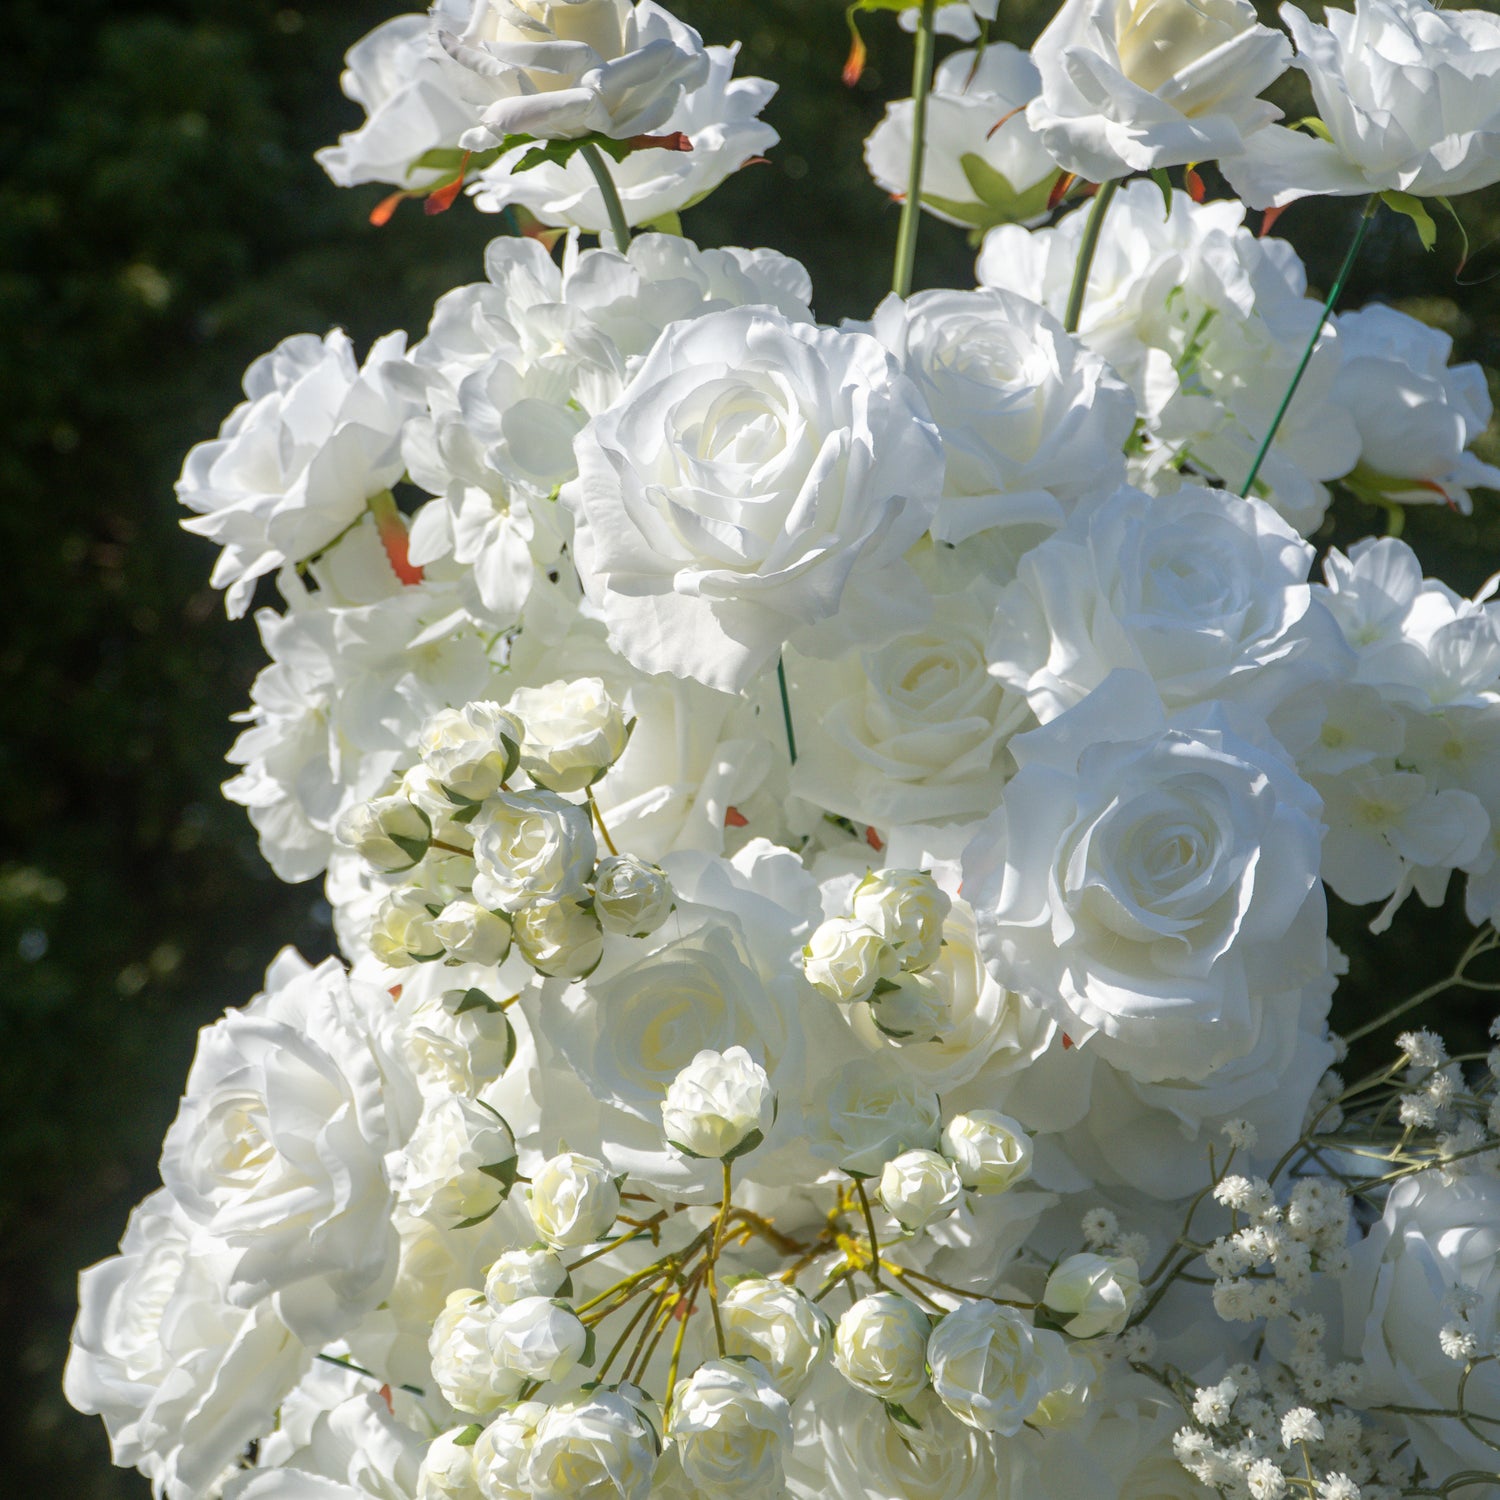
x,y
828,827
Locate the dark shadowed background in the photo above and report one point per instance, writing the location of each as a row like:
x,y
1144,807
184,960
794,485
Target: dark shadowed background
x,y
162,223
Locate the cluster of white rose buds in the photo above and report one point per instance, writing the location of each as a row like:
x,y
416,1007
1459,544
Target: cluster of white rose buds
x,y
490,864
877,954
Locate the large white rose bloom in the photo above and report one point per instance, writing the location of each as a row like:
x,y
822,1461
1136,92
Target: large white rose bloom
x,y
1410,99
561,69
1132,85
598,1447
991,1368
752,474
280,1145
972,172
1148,884
731,1428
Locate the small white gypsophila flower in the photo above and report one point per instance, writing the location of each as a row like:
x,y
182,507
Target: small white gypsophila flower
x,y
1213,1404
1257,1244
1264,1480
1246,1378
1440,1089
1225,1258
1424,1049
1100,1227
1234,1300
1234,1191
1300,1425
1240,1134
1135,1245
1137,1345
1417,1112
1338,1487
1346,1381
1458,1342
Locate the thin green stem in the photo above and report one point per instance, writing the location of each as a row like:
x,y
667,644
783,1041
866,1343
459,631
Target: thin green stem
x,y
911,207
609,843
711,1264
690,1292
619,227
1334,292
1481,945
1092,228
864,1203
786,710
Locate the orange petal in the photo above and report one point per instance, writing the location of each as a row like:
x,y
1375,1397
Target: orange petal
x,y
734,818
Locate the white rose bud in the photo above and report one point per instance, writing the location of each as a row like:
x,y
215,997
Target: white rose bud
x,y
524,1273
390,833
447,1471
573,1199
573,732
1096,1293
990,1150
460,1351
874,1112
460,1163
500,1452
559,939
732,1428
631,896
778,1325
845,960
992,1369
402,932
720,1105
471,750
598,1448
472,935
908,909
911,1008
881,1346
531,846
538,1338
918,1187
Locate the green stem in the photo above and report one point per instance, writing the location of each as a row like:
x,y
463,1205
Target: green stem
x,y
609,843
786,710
1334,292
618,225
710,1278
1103,197
911,207
864,1203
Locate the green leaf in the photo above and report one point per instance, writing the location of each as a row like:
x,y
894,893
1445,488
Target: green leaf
x,y
1315,126
1160,178
414,849
669,223
503,1172
750,1142
1447,205
898,1413
469,1436
586,1359
1413,209
472,1000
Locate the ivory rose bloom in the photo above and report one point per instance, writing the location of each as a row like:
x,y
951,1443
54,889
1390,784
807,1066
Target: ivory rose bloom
x,y
720,1105
1150,883
598,1447
751,476
1409,96
991,1368
881,1346
731,1428
778,1325
1132,85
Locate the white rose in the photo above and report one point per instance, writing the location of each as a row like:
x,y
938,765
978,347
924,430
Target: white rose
x,y
573,1200
537,1338
631,896
574,732
1146,884
973,173
447,1471
280,1143
990,1150
524,1273
1095,1293
720,118
846,960
874,1111
881,1346
918,1187
531,846
559,939
720,1105
1416,414
913,1009
501,1451
402,931
751,475
560,69
908,909
462,1365
471,750
778,1325
731,1428
1133,85
1204,592
299,460
1407,95
471,934
390,832
991,1368
596,1448
459,1163
182,1379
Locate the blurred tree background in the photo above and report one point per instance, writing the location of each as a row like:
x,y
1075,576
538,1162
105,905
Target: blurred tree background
x,y
162,223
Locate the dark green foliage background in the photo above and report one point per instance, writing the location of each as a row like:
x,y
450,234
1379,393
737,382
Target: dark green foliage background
x,y
161,224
